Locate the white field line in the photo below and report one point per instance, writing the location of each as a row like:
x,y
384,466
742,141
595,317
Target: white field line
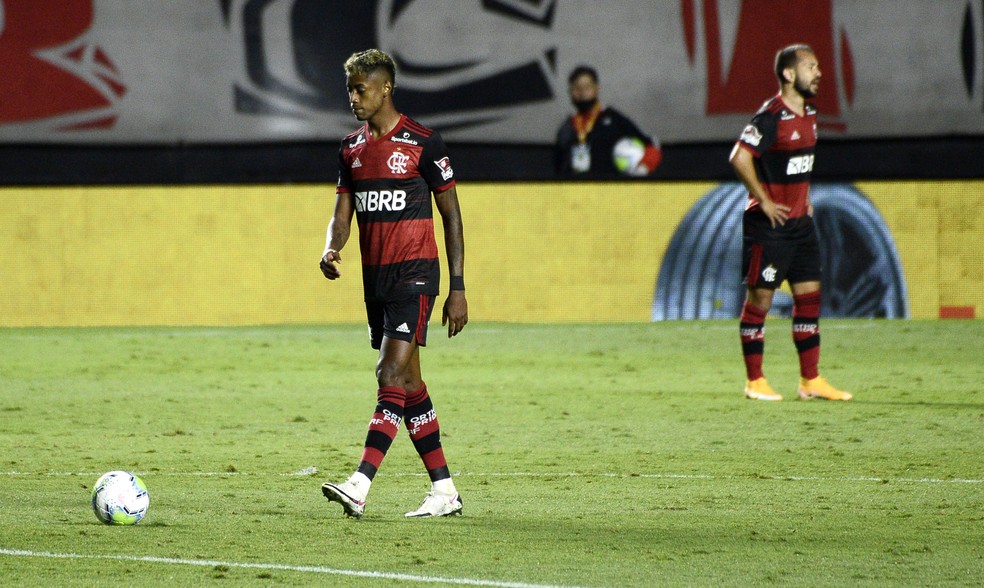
x,y
131,332
311,471
277,567
860,324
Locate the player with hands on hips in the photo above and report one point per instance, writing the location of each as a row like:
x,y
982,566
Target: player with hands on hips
x,y
773,158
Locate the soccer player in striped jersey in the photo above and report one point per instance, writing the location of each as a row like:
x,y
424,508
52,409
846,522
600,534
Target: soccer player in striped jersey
x,y
774,160
388,169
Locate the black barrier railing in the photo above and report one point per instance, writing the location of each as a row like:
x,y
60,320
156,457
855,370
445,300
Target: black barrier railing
x,y
315,162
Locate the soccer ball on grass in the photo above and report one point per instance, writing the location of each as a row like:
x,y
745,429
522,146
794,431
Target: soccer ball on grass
x,y
120,498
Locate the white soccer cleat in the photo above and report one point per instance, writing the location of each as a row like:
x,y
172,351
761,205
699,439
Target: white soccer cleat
x,y
438,504
350,495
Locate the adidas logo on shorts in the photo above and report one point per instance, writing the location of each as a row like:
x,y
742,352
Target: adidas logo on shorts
x,y
403,328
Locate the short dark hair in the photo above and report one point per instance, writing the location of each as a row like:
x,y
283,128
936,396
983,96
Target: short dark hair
x,y
789,57
583,70
368,61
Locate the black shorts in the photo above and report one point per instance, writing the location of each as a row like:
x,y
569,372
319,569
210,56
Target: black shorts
x,y
770,256
403,318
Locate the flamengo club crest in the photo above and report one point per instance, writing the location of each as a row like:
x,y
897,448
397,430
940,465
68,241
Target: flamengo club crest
x,y
398,162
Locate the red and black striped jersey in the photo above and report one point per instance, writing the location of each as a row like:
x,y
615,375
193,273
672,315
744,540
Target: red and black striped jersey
x,y
783,144
391,180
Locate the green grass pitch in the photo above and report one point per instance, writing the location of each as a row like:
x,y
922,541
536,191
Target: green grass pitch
x,y
586,455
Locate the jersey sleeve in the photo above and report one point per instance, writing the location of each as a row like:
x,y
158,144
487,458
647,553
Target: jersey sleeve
x,y
760,134
344,173
435,164
629,128
563,144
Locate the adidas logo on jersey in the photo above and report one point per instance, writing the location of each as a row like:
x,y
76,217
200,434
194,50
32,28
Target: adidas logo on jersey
x,y
356,163
403,328
794,136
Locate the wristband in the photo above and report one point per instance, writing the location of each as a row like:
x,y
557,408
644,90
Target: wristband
x,y
457,282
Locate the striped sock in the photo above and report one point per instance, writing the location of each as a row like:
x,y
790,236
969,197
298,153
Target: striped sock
x,y
806,332
383,428
425,432
752,329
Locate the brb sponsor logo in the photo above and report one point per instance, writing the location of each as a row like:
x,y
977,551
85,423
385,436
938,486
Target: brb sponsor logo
x,y
466,64
54,71
801,164
380,200
740,40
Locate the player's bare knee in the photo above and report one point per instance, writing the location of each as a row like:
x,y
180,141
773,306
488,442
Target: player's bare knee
x,y
761,298
390,374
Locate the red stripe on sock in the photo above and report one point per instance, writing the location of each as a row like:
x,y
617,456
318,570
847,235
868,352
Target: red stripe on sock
x,y
393,394
373,456
434,459
807,305
415,398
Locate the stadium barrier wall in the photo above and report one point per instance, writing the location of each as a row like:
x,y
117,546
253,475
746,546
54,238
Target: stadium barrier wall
x,y
543,252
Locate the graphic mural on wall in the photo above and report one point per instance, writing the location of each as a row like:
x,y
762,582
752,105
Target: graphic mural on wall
x,y
292,70
700,275
735,85
480,71
53,70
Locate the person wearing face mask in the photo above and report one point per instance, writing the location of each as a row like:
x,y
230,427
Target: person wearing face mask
x,y
586,141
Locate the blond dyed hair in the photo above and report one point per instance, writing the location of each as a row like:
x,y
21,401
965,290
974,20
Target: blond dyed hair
x,y
368,61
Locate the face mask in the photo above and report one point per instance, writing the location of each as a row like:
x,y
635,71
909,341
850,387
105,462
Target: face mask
x,y
583,106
